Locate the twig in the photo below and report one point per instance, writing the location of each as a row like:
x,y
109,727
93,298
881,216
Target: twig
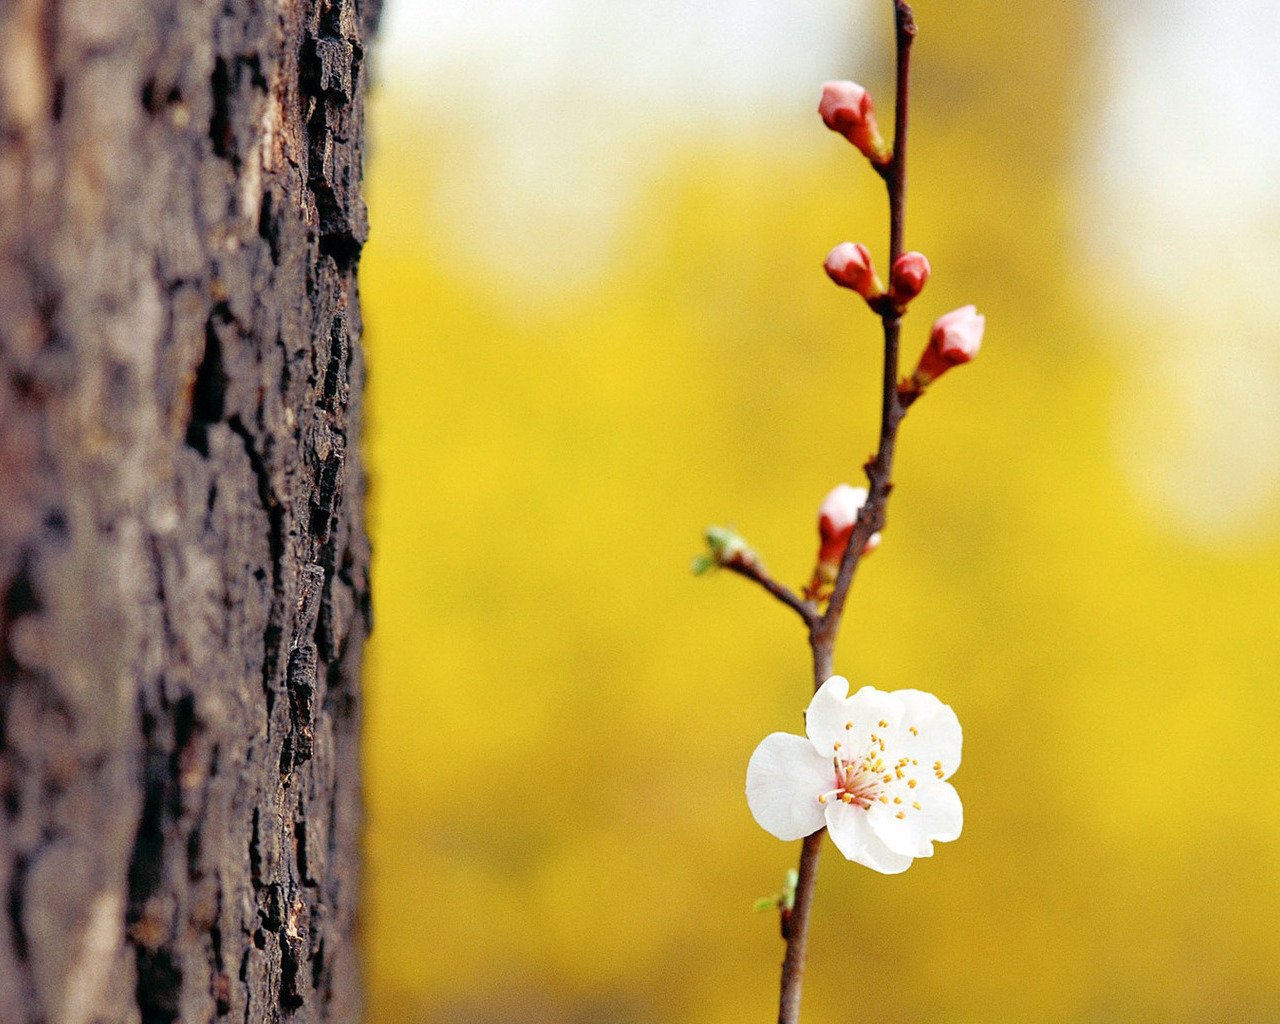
x,y
796,929
824,629
879,469
753,570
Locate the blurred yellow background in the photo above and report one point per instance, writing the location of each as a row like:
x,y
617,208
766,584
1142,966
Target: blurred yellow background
x,y
597,321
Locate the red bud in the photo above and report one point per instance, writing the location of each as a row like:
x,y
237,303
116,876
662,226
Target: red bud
x,y
955,339
846,109
907,278
849,266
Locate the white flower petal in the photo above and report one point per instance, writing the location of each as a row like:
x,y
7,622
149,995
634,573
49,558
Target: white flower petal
x,y
937,737
905,835
850,721
911,831
784,778
866,709
851,832
827,714
943,811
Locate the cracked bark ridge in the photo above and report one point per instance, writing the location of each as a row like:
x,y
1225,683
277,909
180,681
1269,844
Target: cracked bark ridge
x,y
184,588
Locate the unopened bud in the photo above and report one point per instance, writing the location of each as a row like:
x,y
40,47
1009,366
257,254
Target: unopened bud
x,y
837,516
955,339
724,547
849,266
846,109
907,277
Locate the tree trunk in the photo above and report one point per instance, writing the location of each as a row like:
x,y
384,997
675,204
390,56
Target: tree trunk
x,y
183,566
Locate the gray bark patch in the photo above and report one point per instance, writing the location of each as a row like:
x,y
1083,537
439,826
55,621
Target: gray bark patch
x,y
184,572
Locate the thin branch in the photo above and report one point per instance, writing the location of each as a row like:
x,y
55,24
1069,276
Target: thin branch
x,y
824,629
753,570
880,469
905,26
796,929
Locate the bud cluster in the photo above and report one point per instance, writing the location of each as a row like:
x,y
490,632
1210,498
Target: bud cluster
x,y
954,339
846,109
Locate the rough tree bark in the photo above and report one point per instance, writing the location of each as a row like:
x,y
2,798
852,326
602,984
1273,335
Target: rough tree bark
x,y
183,567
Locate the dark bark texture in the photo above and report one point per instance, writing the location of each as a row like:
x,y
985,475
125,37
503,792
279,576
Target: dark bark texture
x,y
184,587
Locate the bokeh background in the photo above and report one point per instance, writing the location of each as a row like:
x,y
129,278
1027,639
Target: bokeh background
x,y
597,322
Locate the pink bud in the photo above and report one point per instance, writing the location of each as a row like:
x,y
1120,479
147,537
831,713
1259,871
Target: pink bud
x,y
837,517
907,278
846,110
849,266
955,339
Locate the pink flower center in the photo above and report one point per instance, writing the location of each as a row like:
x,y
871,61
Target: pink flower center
x,y
856,782
860,779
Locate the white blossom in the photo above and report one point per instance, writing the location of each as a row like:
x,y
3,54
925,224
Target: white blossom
x,y
873,770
